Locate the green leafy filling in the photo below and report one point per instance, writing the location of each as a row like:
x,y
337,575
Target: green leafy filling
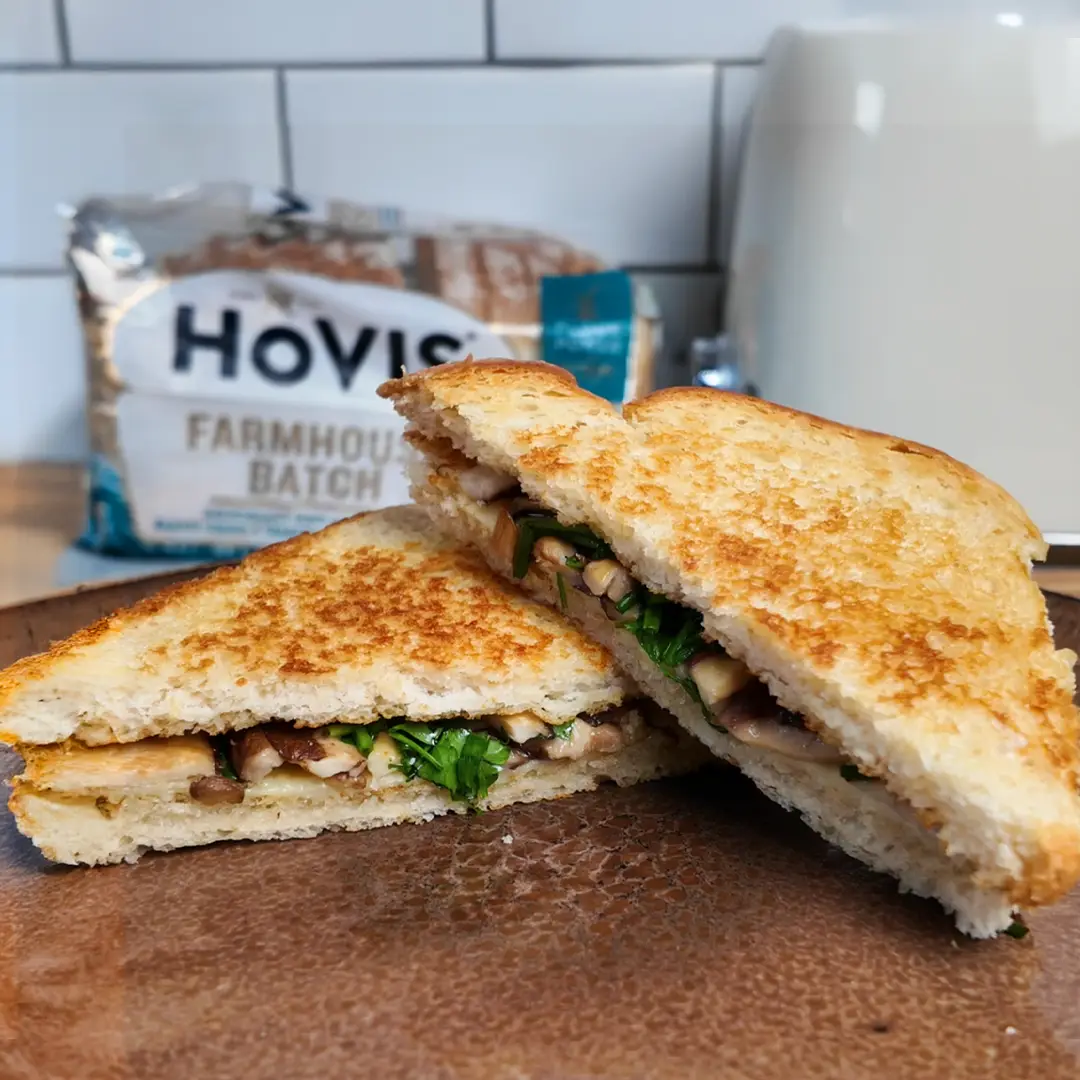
x,y
222,763
532,525
362,736
670,635
464,762
1016,929
563,731
562,591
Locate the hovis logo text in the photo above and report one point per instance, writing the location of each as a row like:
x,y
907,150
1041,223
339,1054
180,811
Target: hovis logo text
x,y
284,354
231,334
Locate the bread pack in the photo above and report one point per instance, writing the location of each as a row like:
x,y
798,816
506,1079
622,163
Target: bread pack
x,y
235,339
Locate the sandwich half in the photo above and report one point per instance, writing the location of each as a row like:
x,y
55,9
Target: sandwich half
x,y
368,674
848,617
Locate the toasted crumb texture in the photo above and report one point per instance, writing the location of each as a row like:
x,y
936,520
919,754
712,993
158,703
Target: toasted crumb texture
x,y
877,586
72,828
376,616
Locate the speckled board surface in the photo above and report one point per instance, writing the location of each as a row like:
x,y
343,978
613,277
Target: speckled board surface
x,y
679,929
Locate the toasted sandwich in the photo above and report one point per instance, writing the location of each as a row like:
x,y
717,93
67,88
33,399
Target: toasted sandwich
x,y
848,617
368,674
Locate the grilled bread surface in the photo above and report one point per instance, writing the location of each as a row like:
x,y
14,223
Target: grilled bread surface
x,y
376,616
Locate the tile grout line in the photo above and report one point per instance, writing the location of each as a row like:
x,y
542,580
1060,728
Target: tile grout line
x,y
281,106
63,35
147,67
489,30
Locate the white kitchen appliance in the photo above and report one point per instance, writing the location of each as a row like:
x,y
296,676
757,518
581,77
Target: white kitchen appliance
x,y
906,251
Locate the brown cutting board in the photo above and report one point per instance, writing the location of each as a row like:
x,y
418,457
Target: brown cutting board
x,y
674,930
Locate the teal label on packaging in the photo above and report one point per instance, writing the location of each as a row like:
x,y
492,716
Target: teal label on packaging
x,y
110,530
588,327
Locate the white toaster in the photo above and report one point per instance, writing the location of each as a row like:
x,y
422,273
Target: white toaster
x,y
906,252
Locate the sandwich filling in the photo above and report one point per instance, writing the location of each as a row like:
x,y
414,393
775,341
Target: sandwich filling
x,y
528,536
464,757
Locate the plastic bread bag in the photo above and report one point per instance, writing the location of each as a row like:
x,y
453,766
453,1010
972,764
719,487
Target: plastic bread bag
x,y
235,339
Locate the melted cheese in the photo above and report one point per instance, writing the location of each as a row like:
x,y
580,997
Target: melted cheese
x,y
520,727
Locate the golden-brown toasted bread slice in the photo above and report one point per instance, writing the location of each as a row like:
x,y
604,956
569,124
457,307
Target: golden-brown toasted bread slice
x,y
376,616
878,587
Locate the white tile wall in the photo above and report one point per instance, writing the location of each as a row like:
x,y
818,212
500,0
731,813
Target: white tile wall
x,y
398,102
615,158
66,134
275,31
699,29
647,29
28,32
42,379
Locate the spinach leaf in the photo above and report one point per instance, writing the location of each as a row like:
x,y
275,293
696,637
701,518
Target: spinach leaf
x,y
670,635
478,767
532,525
562,592
223,765
1016,929
464,762
364,740
362,736
563,731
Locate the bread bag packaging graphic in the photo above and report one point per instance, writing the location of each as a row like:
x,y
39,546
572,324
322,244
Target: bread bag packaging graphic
x,y
235,339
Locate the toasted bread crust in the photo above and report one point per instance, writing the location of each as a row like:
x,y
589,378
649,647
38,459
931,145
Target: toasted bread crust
x,y
377,598
508,375
880,587
700,396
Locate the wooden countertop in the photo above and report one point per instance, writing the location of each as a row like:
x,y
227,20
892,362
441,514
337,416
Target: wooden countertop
x,y
41,512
